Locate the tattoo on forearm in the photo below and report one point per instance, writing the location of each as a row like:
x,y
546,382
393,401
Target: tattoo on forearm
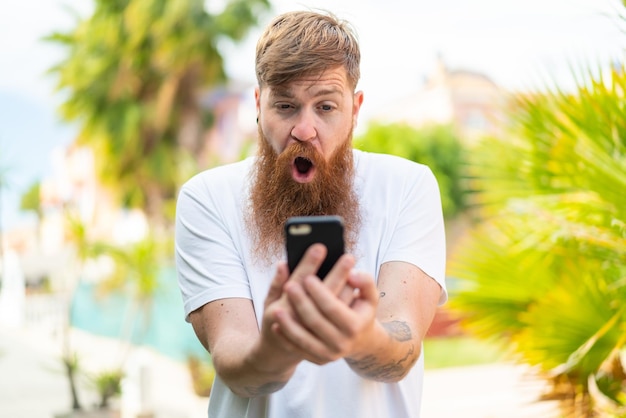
x,y
266,389
398,330
370,367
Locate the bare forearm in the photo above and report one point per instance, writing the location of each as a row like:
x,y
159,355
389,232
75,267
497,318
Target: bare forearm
x,y
392,358
238,358
241,369
249,382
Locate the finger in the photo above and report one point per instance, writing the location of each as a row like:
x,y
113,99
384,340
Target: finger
x,y
367,291
347,294
300,339
339,315
348,321
282,340
338,275
310,315
276,287
310,262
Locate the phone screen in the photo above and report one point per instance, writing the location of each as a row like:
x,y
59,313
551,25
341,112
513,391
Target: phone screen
x,y
303,231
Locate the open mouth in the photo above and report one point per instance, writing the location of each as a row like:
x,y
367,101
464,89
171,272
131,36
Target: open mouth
x,y
303,165
303,170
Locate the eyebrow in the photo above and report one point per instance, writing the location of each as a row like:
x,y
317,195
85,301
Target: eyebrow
x,y
281,92
288,93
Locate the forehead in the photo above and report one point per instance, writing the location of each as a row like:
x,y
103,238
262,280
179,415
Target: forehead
x,y
329,82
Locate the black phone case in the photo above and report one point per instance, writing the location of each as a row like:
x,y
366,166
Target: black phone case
x,y
303,231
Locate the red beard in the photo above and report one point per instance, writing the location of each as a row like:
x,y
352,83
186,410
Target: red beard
x,y
275,195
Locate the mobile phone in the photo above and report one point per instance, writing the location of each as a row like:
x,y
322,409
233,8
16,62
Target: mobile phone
x,y
303,231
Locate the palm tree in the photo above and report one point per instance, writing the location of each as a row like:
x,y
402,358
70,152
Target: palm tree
x,y
136,273
132,77
545,270
138,268
31,200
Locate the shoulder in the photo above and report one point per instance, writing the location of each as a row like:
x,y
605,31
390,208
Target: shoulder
x,y
375,166
225,176
223,186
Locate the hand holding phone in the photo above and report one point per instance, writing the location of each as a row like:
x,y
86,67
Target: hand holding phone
x,y
303,231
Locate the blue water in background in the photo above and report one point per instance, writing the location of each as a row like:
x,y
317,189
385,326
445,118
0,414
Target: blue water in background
x,y
163,328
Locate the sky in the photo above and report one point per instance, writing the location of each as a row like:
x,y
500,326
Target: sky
x,y
519,44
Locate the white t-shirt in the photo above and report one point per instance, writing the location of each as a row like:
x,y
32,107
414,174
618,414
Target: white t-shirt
x,y
401,221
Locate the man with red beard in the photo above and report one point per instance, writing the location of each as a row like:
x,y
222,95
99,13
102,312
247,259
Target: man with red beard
x,y
291,345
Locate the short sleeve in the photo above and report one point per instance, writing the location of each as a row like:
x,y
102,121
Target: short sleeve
x,y
419,233
209,266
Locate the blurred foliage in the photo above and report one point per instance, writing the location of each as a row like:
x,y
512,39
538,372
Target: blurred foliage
x,y
135,268
132,78
136,271
459,351
71,365
202,374
545,270
30,199
108,384
437,146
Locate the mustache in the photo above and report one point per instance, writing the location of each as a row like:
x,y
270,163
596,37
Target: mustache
x,y
300,149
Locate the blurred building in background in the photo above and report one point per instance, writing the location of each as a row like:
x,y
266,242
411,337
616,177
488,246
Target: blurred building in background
x,y
73,188
234,127
468,100
72,192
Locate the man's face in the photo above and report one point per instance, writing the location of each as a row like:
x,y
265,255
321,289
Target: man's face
x,y
304,164
320,110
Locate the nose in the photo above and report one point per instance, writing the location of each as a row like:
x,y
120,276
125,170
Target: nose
x,y
304,128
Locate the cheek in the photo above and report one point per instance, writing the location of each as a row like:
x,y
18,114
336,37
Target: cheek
x,y
335,139
273,138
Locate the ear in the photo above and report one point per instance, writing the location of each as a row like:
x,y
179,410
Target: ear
x,y
257,100
356,106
